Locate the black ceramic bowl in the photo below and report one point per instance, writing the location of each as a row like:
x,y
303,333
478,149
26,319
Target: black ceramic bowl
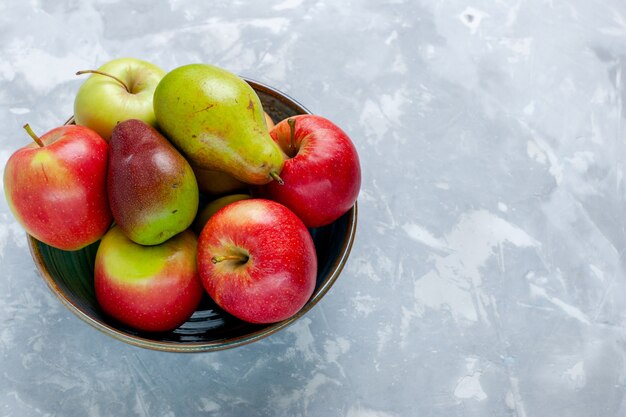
x,y
70,277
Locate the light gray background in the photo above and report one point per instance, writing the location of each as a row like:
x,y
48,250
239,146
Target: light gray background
x,y
487,277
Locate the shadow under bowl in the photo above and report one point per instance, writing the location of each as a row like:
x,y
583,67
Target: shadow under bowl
x,y
70,276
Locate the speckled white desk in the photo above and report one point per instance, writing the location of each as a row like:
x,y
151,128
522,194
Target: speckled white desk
x,y
487,277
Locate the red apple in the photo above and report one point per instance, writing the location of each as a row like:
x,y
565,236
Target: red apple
x,y
257,261
150,288
322,174
56,187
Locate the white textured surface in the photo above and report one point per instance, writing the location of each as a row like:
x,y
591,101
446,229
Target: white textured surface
x,y
487,277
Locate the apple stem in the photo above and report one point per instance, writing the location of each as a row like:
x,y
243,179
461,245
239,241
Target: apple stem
x,y
240,258
292,136
277,178
105,74
32,134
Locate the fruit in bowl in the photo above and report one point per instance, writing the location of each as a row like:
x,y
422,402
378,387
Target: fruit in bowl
x,y
120,89
209,324
152,190
56,187
218,122
322,172
257,260
151,288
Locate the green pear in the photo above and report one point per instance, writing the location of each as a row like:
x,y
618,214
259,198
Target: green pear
x,y
217,121
152,189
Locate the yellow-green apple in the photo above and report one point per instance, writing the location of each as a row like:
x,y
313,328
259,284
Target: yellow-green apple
x,y
257,261
120,89
322,172
149,288
56,187
213,207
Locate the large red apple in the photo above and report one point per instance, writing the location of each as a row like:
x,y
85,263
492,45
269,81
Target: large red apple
x,y
257,261
322,174
56,187
150,288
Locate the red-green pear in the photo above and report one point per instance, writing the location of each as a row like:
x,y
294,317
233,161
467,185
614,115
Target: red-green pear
x,y
152,189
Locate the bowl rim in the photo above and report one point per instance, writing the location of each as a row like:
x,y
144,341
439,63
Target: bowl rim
x,y
138,340
169,346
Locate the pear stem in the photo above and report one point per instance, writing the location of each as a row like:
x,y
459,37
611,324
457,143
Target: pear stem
x,y
32,134
240,258
105,74
69,121
292,136
277,178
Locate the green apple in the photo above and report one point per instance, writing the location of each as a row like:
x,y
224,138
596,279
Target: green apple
x,y
119,90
